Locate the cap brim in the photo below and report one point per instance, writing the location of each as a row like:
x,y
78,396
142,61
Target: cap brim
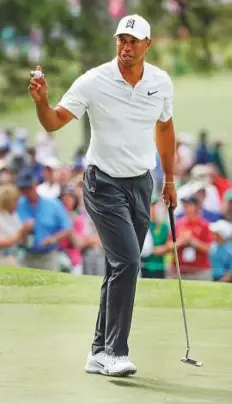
x,y
23,186
130,31
52,167
189,200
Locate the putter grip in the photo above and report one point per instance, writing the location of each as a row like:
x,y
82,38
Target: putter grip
x,y
172,222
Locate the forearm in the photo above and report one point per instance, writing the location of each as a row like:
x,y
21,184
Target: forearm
x,y
9,242
48,116
60,235
163,249
166,147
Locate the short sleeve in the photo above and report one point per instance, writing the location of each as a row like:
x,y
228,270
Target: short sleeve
x,y
77,98
22,211
166,114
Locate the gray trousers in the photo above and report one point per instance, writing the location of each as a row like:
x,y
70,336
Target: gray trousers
x,y
120,210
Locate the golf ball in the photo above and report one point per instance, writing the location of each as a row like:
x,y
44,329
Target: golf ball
x,y
36,74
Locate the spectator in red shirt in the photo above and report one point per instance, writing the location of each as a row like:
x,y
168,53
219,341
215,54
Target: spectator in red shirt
x,y
193,242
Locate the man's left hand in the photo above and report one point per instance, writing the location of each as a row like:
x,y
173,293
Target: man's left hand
x,y
169,194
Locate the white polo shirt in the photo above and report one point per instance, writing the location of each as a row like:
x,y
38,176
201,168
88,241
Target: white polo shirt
x,y
122,117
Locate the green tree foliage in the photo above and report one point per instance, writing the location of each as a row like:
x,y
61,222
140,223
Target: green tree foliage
x,y
196,33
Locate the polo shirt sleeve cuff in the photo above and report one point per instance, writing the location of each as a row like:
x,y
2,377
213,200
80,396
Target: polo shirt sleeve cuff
x,y
165,117
77,111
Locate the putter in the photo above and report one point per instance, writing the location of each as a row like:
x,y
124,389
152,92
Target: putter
x,y
186,358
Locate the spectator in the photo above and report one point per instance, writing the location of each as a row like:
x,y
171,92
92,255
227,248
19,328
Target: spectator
x,y
93,254
184,155
203,174
36,167
153,266
71,246
193,242
203,155
222,184
21,135
5,174
50,188
4,146
18,157
64,176
51,224
227,206
10,135
12,231
45,146
78,170
199,189
217,158
221,251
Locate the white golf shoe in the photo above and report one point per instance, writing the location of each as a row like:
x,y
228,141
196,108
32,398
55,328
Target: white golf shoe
x,y
95,364
119,366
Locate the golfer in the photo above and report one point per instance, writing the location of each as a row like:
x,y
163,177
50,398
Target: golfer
x,y
126,99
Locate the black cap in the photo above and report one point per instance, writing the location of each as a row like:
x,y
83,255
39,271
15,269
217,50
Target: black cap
x,y
25,178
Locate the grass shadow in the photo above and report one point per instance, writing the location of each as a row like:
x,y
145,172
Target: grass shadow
x,y
204,394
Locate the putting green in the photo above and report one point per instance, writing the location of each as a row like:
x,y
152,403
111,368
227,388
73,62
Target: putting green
x,y
46,329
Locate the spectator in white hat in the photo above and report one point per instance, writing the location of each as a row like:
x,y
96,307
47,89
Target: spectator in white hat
x,y
199,190
203,174
221,251
50,188
45,146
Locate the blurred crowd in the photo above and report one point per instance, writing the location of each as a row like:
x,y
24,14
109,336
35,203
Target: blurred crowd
x,y
203,216
43,221
44,224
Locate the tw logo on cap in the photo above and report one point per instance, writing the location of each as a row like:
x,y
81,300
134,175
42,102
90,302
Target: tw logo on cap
x,y
130,23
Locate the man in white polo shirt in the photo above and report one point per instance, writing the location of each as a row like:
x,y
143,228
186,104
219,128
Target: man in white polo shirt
x,y
126,99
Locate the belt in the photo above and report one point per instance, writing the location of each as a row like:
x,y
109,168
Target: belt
x,y
120,178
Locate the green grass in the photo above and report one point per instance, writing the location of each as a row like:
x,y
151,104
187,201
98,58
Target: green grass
x,y
47,322
200,102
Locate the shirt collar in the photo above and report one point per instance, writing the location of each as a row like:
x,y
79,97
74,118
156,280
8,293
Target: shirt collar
x,y
118,75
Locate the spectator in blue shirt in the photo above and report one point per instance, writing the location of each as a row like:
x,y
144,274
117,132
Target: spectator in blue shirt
x,y
51,224
203,155
221,251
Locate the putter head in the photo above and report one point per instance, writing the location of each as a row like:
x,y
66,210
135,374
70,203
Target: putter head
x,y
192,362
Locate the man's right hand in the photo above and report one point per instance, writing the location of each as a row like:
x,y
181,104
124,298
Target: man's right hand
x,y
38,88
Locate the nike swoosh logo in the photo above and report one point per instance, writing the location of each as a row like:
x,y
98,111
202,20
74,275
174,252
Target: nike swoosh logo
x,y
149,93
99,363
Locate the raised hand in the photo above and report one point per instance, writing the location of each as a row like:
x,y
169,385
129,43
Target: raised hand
x,y
38,87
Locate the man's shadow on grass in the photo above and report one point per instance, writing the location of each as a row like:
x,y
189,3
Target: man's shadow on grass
x,y
201,394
